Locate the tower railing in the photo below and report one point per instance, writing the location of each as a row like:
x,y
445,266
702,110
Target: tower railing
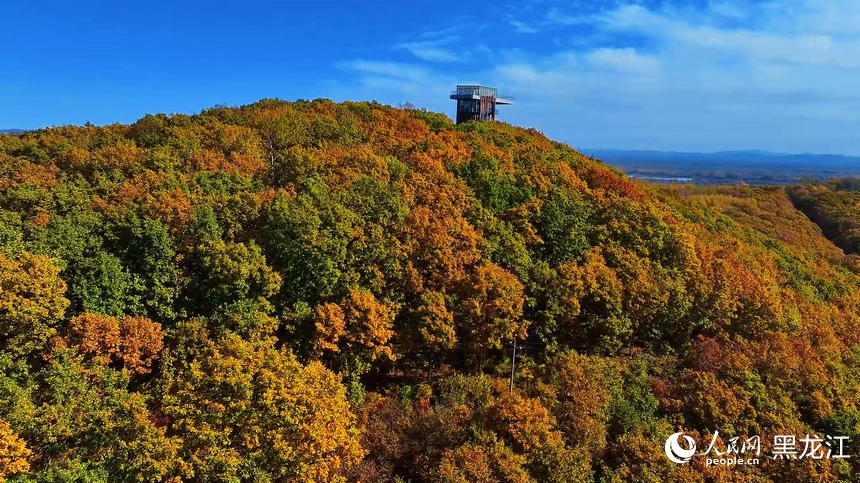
x,y
482,91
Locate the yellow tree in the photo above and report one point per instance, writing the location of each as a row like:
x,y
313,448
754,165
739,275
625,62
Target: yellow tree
x,y
359,326
593,302
141,341
330,326
136,341
525,422
436,322
95,335
489,463
31,302
577,392
246,410
492,308
13,452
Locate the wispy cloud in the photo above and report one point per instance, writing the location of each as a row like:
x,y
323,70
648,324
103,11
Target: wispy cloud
x,y
524,27
623,60
728,9
552,19
432,50
720,75
394,83
411,73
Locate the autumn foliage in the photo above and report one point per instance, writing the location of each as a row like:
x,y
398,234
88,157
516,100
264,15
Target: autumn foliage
x,y
318,292
13,452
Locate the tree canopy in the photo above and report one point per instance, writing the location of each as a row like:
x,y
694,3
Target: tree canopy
x,y
317,292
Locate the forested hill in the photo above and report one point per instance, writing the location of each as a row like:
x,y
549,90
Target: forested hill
x,y
324,292
835,207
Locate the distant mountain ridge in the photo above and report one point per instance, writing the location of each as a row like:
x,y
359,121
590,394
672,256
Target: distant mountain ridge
x,y
751,166
11,131
742,155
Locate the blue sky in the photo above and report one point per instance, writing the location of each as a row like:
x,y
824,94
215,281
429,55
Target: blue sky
x,y
672,75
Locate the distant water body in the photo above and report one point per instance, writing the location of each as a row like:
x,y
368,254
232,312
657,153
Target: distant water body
x,y
670,179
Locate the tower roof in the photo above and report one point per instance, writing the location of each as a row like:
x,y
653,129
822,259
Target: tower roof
x,y
474,91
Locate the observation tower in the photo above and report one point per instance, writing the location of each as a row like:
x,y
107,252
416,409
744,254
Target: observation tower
x,y
478,103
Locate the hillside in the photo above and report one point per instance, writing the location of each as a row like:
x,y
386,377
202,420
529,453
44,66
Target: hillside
x,y
834,207
323,292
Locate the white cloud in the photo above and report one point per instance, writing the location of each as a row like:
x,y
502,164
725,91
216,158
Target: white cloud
x,y
523,27
394,83
430,53
432,50
728,9
838,17
411,73
552,19
779,75
556,17
624,60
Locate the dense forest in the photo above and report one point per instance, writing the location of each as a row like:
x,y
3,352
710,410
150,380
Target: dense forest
x,y
835,207
321,292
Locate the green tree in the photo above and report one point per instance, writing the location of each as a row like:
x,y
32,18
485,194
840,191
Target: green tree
x,y
226,273
306,240
147,252
103,285
564,225
83,424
